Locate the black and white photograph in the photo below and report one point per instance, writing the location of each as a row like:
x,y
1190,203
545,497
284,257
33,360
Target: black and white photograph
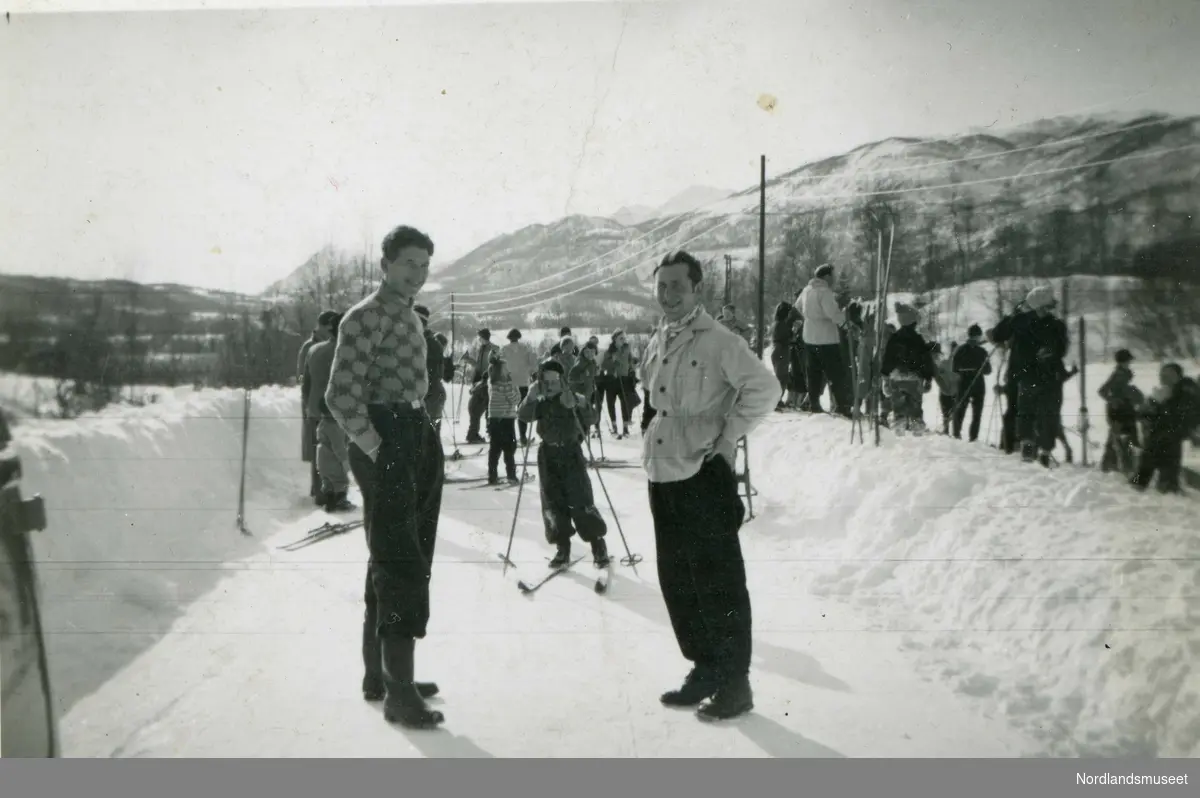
x,y
600,380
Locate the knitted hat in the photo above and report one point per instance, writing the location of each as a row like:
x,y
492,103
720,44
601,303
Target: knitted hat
x,y
1124,356
906,314
616,332
824,271
974,331
1040,297
551,365
514,334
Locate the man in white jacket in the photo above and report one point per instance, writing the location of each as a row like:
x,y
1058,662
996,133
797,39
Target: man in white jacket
x,y
522,365
709,390
823,343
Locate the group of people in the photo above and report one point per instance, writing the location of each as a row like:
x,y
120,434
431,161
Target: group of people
x,y
377,408
810,336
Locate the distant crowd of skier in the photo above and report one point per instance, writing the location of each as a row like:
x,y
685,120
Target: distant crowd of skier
x,y
815,343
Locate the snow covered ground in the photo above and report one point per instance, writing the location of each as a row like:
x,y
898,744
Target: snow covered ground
x,y
926,599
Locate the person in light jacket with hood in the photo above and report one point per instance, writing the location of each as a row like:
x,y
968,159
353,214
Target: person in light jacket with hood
x,y
822,342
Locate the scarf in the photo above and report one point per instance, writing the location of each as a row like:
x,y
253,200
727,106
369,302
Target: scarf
x,y
669,331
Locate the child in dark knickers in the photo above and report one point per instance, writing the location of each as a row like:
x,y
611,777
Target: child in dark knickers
x,y
568,505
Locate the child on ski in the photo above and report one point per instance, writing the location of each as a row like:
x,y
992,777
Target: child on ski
x,y
908,372
582,379
1122,400
568,506
1172,414
503,400
948,384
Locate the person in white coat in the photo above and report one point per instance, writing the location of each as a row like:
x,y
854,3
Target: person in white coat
x,y
709,390
824,363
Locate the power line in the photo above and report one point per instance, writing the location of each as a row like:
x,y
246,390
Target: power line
x,y
492,302
727,220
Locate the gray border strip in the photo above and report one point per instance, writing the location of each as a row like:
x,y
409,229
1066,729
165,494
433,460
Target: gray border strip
x,y
862,778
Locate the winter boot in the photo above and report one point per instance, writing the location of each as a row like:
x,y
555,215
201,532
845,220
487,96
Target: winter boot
x,y
1028,451
404,703
513,479
563,556
338,503
700,684
600,553
373,688
732,699
493,479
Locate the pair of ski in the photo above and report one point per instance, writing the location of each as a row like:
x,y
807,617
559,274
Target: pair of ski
x,y
502,485
529,588
323,532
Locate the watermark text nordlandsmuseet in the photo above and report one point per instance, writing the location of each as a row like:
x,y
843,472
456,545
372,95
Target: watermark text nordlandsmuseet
x,y
1127,778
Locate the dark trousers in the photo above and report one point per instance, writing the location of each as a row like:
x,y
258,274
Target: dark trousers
x,y
568,504
700,567
1008,426
618,388
402,499
824,366
1163,454
502,440
975,400
946,404
523,426
476,408
1122,423
780,358
1038,406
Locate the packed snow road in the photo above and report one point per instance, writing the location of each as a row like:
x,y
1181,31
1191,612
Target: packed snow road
x,y
268,663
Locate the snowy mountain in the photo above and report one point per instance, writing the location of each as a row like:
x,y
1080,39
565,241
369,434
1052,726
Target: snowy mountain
x,y
1062,196
684,201
1067,195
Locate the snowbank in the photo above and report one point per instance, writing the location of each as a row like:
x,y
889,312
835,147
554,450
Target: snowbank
x,y
142,505
1062,600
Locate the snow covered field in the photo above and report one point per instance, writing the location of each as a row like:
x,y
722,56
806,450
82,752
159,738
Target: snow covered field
x,y
926,599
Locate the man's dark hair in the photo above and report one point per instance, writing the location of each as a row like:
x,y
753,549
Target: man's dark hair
x,y
326,317
564,331
335,322
402,237
695,270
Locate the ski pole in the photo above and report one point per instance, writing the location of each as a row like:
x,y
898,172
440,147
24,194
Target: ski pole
x,y
630,558
241,516
516,510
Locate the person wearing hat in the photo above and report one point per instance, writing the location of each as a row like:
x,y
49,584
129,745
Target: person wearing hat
x,y
1122,400
439,365
479,356
709,390
823,343
377,395
908,371
1038,342
568,504
522,366
331,454
972,363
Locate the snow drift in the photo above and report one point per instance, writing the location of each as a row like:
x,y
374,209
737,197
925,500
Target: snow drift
x,y
142,504
1062,599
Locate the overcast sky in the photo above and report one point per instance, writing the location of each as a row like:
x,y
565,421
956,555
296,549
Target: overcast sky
x,y
221,149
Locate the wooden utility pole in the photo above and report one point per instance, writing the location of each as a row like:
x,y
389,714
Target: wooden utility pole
x,y
762,250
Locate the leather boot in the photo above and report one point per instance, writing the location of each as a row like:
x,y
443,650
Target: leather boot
x,y
700,684
404,704
373,688
733,698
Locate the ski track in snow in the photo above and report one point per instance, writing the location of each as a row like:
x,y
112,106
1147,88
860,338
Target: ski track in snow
x,y
925,599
